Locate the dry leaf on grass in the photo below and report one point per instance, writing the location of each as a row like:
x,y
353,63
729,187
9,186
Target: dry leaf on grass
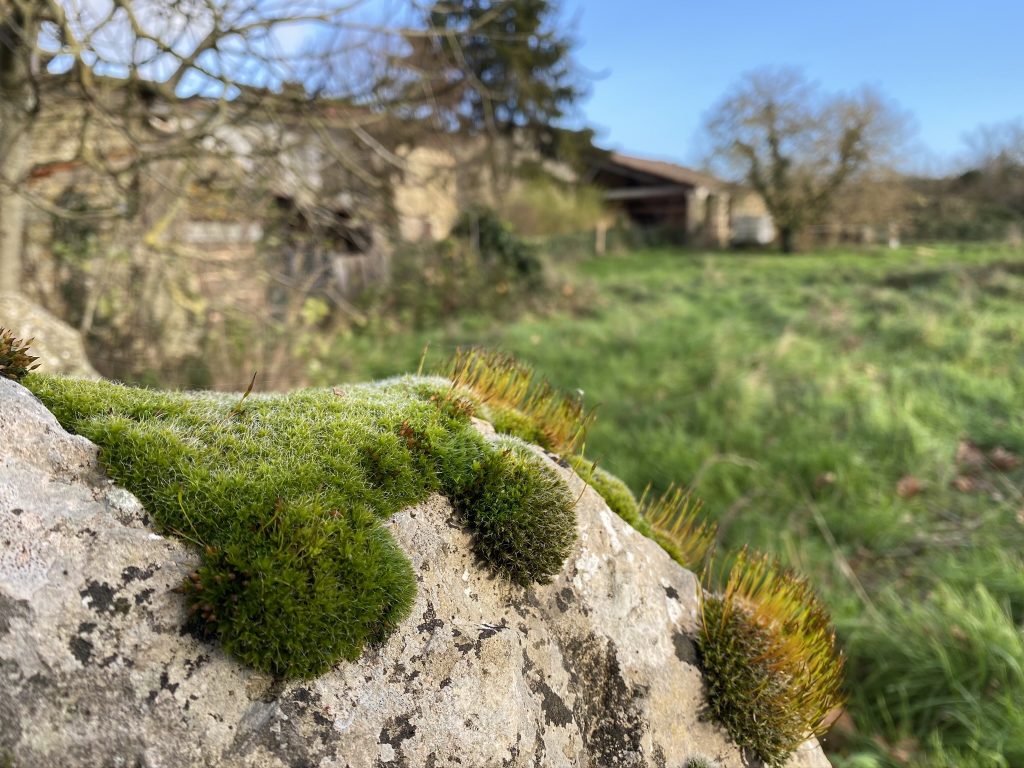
x,y
969,456
824,480
964,484
1003,460
908,486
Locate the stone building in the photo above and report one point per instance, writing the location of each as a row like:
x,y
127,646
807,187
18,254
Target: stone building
x,y
330,191
680,204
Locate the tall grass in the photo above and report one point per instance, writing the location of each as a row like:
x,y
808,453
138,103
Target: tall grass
x,y
944,677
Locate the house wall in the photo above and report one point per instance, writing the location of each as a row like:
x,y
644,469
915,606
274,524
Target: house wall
x,y
747,202
426,195
216,215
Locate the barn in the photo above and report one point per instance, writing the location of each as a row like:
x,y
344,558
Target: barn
x,y
676,203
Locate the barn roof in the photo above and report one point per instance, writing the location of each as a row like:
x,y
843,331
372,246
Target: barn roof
x,y
670,172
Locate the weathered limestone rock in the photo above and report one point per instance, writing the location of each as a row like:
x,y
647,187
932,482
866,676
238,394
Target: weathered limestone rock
x,y
595,669
57,345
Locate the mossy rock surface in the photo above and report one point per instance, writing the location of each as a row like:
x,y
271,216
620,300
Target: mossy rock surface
x,y
479,671
615,492
285,497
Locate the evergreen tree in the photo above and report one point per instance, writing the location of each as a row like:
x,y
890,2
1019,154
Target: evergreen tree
x,y
498,65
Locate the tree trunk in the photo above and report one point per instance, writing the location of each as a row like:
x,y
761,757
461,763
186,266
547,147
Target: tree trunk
x,y
12,209
19,62
787,239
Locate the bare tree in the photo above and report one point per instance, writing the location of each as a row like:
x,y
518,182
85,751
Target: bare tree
x,y
126,125
796,146
134,84
135,133
995,166
996,144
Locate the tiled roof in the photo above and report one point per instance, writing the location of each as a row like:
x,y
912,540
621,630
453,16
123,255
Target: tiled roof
x,y
678,174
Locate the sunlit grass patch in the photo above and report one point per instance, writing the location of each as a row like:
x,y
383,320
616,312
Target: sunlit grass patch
x,y
949,667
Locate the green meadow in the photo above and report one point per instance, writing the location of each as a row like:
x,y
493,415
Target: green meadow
x,y
860,415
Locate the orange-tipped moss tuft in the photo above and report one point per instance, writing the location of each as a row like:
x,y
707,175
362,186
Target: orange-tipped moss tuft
x,y
770,659
15,361
517,402
677,525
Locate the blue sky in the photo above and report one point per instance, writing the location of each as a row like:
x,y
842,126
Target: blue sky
x,y
662,63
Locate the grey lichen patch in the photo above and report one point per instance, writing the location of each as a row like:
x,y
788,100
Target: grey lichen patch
x,y
133,573
99,596
608,709
284,496
685,649
555,711
10,610
397,730
81,649
430,620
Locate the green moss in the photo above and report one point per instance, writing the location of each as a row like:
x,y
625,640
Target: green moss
x,y
512,397
511,421
615,493
285,495
15,361
513,500
670,520
669,545
744,696
679,527
769,657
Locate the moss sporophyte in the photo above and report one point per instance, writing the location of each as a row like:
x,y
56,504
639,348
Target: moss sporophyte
x,y
770,660
284,497
15,361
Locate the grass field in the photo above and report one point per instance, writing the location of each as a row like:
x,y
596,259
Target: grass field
x,y
859,415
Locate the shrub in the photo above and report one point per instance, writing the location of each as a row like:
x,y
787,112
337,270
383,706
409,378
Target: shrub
x,y
498,246
481,268
769,658
542,207
285,494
